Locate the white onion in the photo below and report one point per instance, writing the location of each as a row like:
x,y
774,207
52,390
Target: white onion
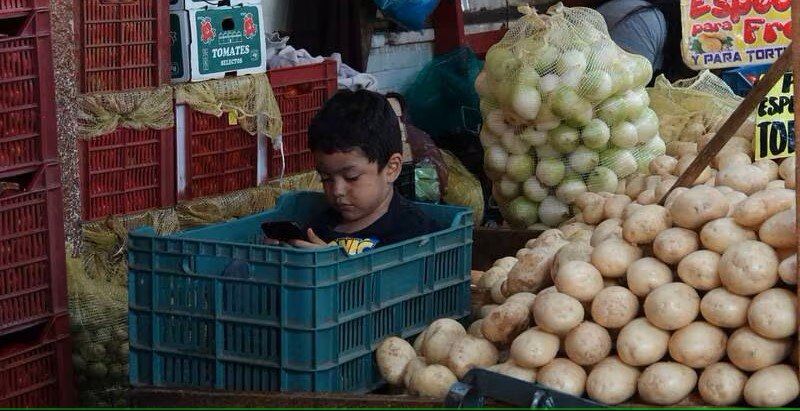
x,y
549,83
624,135
596,134
596,86
496,121
550,171
564,139
534,190
602,180
495,158
553,212
508,189
533,136
513,144
646,125
583,160
570,189
524,211
526,102
519,167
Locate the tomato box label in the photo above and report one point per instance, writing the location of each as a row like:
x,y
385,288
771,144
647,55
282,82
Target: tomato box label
x,y
775,121
227,40
179,39
733,33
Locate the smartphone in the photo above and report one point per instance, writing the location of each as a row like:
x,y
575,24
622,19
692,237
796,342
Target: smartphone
x,y
284,231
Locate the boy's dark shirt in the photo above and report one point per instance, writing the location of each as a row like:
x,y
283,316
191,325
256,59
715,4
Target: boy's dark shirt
x,y
402,221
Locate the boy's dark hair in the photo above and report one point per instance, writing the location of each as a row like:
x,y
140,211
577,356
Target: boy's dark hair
x,y
361,119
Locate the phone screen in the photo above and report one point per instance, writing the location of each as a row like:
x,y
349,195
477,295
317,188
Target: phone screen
x,y
283,231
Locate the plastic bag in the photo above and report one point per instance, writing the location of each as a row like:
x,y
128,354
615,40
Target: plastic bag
x,y
408,13
426,182
565,111
690,108
463,188
442,99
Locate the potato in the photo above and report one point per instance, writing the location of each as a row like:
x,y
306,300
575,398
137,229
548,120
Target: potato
x,y
546,291
492,276
748,268
745,178
673,195
684,164
787,270
673,244
647,274
486,310
563,375
734,199
722,384
534,348
752,352
773,313
579,280
438,339
779,231
762,205
666,383
532,272
769,167
433,381
772,387
587,344
635,185
606,230
640,343
497,292
503,324
664,186
614,307
734,159
512,370
724,309
664,165
647,197
679,149
470,352
698,206
615,205
393,355
776,184
475,277
574,251
475,329
525,299
612,381
557,313
698,345
506,263
414,366
630,209
420,341
572,228
644,225
700,270
613,256
591,206
787,172
672,306
721,233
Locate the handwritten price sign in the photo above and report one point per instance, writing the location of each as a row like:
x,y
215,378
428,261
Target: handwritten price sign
x,y
734,33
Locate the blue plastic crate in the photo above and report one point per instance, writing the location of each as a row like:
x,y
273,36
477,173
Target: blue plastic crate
x,y
736,80
213,307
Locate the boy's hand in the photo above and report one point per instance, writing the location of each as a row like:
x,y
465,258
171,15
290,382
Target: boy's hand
x,y
313,241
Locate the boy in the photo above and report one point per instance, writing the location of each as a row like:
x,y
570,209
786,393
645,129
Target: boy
x,y
357,149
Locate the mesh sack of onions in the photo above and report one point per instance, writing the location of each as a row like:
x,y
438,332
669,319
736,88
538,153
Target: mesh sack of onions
x,y
565,111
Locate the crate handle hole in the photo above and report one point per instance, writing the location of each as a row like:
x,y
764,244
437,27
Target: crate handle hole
x,y
13,27
14,185
228,24
114,2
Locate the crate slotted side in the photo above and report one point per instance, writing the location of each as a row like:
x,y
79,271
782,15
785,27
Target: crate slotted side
x,y
32,282
21,6
301,92
27,117
213,308
127,171
221,158
122,45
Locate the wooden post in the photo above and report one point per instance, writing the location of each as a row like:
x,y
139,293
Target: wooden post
x,y
448,26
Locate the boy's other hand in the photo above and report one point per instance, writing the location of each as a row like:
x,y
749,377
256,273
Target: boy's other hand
x,y
313,241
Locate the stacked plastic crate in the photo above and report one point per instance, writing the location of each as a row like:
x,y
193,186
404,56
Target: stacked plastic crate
x,y
213,41
122,46
35,368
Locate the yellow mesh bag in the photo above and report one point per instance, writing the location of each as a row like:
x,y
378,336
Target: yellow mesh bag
x,y
462,187
102,113
250,97
565,111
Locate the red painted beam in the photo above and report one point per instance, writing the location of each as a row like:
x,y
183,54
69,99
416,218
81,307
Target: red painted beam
x,y
448,25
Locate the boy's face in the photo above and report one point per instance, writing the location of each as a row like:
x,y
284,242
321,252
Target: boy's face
x,y
353,185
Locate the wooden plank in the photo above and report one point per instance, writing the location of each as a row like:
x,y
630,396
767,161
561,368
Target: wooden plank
x,y
734,122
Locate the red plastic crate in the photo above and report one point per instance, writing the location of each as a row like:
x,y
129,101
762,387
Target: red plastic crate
x,y
21,6
32,275
122,44
127,171
27,113
220,157
300,91
36,369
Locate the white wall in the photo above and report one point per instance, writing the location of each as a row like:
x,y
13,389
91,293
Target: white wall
x,y
276,15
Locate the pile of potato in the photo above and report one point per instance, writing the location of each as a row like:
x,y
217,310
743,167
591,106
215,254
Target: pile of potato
x,y
634,301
